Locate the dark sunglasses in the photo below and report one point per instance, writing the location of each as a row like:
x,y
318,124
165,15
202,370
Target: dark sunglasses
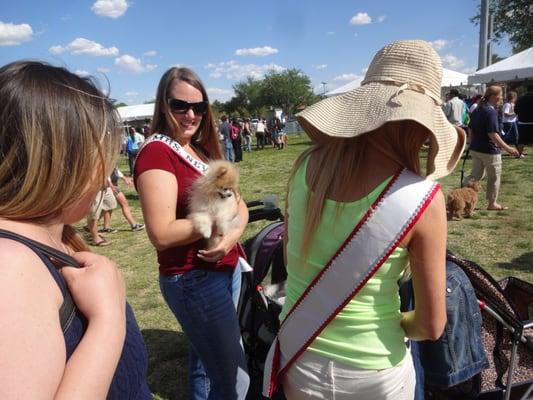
x,y
181,107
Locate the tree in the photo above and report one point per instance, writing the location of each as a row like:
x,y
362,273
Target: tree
x,y
248,96
512,19
287,90
117,105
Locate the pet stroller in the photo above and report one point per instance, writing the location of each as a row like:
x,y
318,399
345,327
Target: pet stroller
x,y
507,318
263,290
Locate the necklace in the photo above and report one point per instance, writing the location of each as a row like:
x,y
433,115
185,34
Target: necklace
x,y
60,246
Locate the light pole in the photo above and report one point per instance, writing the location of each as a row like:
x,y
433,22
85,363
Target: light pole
x,y
324,87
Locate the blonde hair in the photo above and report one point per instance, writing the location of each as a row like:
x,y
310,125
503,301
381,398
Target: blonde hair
x,y
489,92
56,130
339,161
164,122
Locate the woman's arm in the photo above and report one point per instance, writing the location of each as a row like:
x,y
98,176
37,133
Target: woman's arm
x,y
227,241
158,191
32,346
427,259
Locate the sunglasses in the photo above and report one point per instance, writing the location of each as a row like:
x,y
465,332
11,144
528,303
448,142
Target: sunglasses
x,y
181,107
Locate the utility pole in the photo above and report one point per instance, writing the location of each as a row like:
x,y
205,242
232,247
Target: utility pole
x,y
484,43
324,87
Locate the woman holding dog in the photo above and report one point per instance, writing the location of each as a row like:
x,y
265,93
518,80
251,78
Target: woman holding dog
x,y
59,139
486,146
344,231
197,283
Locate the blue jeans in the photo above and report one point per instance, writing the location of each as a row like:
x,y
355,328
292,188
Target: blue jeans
x,y
229,153
204,304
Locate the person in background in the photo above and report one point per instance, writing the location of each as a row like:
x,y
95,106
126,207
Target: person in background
x,y
454,108
260,134
510,128
105,202
486,146
197,283
236,139
225,132
524,112
361,352
59,139
247,134
133,143
123,203
475,103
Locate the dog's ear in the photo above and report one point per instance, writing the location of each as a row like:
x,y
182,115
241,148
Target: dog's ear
x,y
221,172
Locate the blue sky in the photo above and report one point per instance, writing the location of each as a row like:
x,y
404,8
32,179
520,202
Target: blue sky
x,y
132,43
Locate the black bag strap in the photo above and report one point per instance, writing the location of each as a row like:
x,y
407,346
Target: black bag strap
x,y
67,310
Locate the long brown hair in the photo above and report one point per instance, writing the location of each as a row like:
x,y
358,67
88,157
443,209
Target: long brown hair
x,y
339,161
489,92
56,130
164,122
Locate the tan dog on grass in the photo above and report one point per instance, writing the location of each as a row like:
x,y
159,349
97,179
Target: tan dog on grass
x,y
462,202
214,200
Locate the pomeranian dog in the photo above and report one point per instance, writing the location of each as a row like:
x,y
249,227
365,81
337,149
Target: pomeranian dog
x,y
213,201
462,202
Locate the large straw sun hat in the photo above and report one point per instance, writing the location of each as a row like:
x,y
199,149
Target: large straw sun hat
x,y
403,82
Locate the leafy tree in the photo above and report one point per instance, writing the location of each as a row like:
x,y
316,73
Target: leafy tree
x,y
117,105
287,90
512,19
249,95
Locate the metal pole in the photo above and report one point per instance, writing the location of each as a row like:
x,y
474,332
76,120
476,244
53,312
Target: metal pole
x,y
483,34
489,39
324,87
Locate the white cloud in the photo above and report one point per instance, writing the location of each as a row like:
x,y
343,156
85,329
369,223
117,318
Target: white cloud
x,y
451,61
382,18
330,33
110,8
133,65
150,53
361,18
256,51
439,44
13,35
82,46
103,70
82,72
132,93
219,94
234,70
346,77
320,66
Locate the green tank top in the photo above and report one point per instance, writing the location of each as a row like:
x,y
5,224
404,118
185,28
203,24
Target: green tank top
x,y
366,333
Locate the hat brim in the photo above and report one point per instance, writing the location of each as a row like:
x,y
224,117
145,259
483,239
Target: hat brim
x,y
370,106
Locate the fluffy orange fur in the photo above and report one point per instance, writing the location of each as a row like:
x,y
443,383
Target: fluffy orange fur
x,y
462,202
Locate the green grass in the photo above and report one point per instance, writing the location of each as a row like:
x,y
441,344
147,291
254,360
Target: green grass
x,y
501,242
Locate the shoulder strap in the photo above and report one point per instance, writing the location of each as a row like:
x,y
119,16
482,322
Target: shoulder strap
x,y
67,310
374,238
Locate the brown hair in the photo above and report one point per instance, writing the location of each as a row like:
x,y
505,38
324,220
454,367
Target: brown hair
x,y
489,92
511,96
339,160
56,130
164,122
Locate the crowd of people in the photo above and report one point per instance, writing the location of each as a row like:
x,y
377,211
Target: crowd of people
x,y
60,137
493,125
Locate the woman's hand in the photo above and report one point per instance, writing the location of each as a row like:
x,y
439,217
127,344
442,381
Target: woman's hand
x,y
97,287
219,251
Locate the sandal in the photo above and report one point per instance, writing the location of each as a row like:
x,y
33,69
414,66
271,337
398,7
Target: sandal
x,y
101,243
108,230
501,208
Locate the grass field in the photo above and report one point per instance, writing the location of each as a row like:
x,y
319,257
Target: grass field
x,y
501,242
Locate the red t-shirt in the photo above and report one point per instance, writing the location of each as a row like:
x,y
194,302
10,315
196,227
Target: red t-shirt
x,y
176,260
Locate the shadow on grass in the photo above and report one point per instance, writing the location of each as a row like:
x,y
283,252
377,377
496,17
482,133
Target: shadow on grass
x,y
167,363
523,262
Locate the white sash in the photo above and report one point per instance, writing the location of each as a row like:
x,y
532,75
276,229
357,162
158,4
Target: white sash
x,y
375,237
178,149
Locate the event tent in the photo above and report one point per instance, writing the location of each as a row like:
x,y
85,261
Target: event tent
x,y
449,79
138,112
516,67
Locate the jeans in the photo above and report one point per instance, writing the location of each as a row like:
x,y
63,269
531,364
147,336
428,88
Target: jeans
x,y
204,304
247,142
229,153
511,132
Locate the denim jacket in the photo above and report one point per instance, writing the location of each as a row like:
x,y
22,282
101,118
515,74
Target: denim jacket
x,y
459,353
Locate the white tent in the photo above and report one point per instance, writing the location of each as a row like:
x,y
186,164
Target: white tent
x,y
449,78
517,67
132,113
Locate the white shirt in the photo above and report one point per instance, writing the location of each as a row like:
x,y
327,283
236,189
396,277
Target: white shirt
x,y
508,108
